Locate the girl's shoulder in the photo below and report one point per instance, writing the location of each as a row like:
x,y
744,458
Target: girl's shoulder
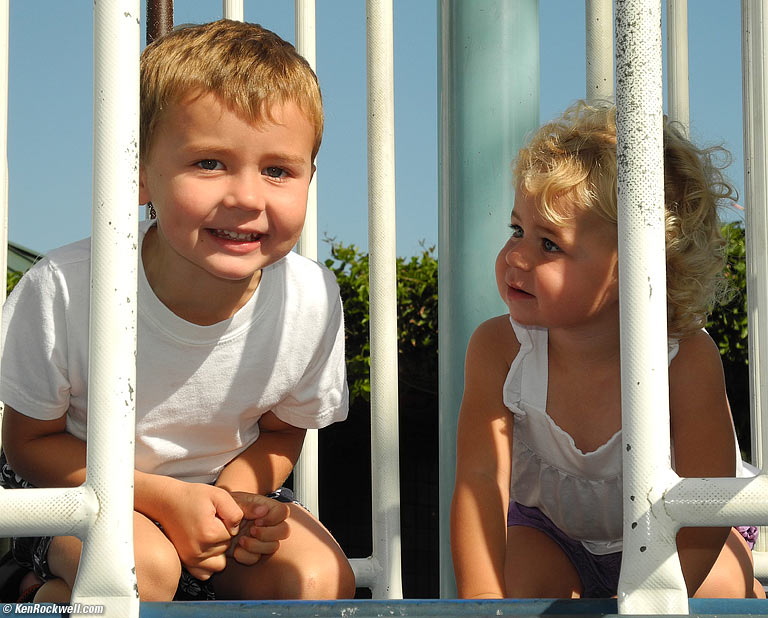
x,y
697,350
699,411
496,334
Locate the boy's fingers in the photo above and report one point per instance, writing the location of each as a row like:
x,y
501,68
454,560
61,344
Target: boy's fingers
x,y
278,532
278,512
245,557
257,546
228,510
204,569
254,506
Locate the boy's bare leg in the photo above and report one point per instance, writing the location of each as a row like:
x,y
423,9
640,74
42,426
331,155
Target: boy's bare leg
x,y
157,564
309,564
732,575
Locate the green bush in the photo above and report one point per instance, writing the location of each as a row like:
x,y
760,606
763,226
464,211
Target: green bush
x,y
728,327
11,280
417,318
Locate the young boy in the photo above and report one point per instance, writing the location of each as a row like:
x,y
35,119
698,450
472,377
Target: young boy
x,y
240,341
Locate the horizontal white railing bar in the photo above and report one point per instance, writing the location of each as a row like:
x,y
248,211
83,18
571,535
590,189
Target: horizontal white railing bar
x,y
719,501
368,572
48,512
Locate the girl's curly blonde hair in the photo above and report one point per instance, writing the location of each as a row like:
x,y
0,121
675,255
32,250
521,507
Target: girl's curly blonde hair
x,y
574,158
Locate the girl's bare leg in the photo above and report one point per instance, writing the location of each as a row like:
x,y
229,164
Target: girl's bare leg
x,y
536,567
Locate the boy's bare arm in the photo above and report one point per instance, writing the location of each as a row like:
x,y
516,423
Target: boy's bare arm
x,y
264,466
29,443
199,519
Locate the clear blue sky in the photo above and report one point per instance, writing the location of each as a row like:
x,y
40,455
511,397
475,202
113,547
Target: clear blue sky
x,y
51,101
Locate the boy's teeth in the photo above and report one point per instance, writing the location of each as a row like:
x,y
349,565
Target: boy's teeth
x,y
236,235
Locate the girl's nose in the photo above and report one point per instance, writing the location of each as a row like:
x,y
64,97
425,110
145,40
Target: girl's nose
x,y
517,256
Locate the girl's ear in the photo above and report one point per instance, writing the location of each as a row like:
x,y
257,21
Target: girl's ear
x,y
144,195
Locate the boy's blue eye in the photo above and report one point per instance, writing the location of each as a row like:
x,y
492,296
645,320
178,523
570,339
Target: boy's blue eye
x,y
550,246
516,230
209,164
275,172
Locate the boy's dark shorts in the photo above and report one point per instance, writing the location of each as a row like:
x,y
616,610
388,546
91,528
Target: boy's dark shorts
x,y
32,552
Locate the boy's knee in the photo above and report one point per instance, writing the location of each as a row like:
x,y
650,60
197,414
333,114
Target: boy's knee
x,y
158,570
320,580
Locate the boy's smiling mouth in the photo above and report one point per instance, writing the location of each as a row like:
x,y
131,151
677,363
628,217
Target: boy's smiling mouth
x,y
238,236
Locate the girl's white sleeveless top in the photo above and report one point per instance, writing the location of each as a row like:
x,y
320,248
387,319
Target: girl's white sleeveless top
x,y
580,492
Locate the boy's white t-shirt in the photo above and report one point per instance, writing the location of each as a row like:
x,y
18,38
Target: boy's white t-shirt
x,y
200,390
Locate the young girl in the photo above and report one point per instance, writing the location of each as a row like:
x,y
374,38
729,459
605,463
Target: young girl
x,y
537,506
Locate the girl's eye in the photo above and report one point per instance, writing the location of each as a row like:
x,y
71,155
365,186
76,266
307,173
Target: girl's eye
x,y
209,164
516,230
275,172
550,246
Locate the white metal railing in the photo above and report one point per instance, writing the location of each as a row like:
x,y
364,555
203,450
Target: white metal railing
x,y
385,450
755,82
656,502
677,62
305,479
94,509
599,43
100,512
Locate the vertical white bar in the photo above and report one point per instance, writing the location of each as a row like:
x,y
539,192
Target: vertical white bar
x,y
599,37
305,473
677,62
106,574
233,9
383,298
651,581
755,82
4,25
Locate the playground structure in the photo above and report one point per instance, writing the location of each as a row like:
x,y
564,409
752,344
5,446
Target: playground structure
x,y
100,511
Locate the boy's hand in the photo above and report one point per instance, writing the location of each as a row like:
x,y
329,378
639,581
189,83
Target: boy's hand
x,y
262,528
200,521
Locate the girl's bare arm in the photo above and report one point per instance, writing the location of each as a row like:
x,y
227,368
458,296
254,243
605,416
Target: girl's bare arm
x,y
703,443
483,460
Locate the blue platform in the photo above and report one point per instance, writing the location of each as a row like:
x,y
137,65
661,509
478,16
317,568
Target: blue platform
x,y
722,608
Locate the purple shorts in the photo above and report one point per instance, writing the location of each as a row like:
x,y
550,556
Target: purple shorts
x,y
599,574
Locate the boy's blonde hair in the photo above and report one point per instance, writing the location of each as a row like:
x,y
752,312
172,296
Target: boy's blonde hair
x,y
248,67
573,158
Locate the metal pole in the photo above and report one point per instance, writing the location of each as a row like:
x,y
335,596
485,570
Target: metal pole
x,y
233,9
4,25
599,36
159,18
677,62
385,447
305,471
651,580
755,74
488,101
106,574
